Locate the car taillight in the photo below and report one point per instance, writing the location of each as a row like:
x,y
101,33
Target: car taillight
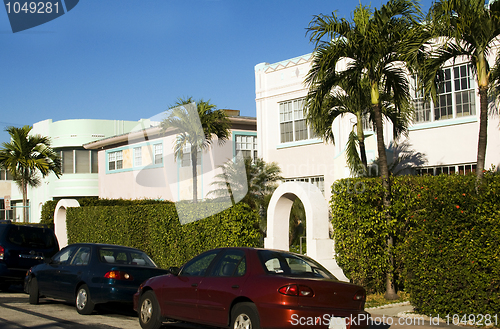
x,y
296,290
2,252
118,275
359,295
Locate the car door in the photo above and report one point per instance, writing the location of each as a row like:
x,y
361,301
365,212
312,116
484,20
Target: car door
x,y
221,286
179,295
71,273
49,277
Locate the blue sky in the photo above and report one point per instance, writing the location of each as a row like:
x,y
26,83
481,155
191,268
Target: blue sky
x,y
127,60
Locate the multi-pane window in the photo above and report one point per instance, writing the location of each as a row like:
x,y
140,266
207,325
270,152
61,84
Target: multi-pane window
x,y
461,169
138,156
455,96
246,146
318,181
367,124
79,161
444,107
422,107
464,94
158,149
115,160
186,157
293,125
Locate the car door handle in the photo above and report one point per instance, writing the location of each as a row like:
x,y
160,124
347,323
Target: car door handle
x,y
194,285
235,286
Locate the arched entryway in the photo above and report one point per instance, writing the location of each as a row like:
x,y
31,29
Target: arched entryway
x,y
60,220
319,245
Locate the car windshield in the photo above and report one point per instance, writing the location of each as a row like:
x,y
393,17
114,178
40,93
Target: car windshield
x,y
31,237
124,257
283,263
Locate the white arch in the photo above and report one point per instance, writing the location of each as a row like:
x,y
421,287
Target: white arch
x,y
60,220
319,245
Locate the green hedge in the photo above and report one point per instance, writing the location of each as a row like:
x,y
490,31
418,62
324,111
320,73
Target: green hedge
x,y
447,238
48,208
155,228
47,215
453,248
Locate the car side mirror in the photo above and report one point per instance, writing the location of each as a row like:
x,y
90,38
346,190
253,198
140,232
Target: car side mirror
x,y
174,270
47,260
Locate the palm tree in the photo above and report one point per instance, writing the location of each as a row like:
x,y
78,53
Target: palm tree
x,y
468,29
322,109
348,97
198,125
25,157
369,46
261,180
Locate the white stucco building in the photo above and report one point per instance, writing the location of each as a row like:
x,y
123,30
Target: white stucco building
x,y
142,164
446,134
79,166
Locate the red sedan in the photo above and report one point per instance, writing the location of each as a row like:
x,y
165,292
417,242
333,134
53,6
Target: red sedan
x,y
251,288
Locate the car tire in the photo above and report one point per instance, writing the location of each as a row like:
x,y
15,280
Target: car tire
x,y
149,311
84,304
34,292
244,316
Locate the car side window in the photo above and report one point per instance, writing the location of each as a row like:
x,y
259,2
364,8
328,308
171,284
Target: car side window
x,y
121,257
64,256
82,257
199,265
233,263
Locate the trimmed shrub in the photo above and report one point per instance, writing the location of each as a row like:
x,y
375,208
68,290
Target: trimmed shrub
x,y
47,215
452,250
446,239
155,228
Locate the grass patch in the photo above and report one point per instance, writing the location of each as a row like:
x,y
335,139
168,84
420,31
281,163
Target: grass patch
x,y
375,300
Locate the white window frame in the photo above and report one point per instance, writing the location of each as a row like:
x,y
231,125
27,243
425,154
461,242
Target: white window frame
x,y
115,160
158,153
246,145
458,169
186,156
319,181
455,93
138,156
293,125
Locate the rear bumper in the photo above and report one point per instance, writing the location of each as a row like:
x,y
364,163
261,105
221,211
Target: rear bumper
x,y
276,316
12,274
112,293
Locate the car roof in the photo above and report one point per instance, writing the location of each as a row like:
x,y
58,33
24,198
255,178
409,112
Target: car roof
x,y
259,249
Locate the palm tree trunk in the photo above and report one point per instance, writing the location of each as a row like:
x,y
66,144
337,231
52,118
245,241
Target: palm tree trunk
x,y
390,291
24,187
483,135
361,141
194,162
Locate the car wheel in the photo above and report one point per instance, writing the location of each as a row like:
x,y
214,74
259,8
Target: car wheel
x,y
84,304
149,311
245,316
34,293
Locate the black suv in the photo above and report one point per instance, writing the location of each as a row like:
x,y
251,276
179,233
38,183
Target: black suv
x,y
21,247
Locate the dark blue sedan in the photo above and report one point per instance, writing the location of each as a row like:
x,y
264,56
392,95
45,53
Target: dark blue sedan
x,y
90,274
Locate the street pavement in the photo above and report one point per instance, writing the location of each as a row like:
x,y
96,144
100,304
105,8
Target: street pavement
x,y
401,316
17,313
